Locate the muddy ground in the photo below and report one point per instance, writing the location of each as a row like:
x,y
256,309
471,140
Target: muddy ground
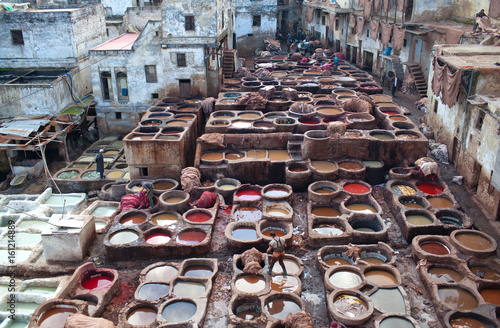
x,y
312,280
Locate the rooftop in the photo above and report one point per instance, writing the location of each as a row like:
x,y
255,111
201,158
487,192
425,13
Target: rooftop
x,y
121,42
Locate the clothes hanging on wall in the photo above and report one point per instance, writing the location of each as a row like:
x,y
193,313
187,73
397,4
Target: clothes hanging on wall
x,y
401,5
385,6
386,33
437,78
359,26
367,10
310,14
453,36
451,86
376,6
332,21
374,30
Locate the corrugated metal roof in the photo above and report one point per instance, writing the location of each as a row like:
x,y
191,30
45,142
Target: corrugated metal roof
x,y
22,128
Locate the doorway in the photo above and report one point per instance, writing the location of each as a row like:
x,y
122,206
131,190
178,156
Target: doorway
x,y
368,65
185,88
417,49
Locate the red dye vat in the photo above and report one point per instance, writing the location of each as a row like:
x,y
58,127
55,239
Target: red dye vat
x,y
97,281
392,113
198,217
430,188
435,248
356,188
309,122
228,209
158,238
248,194
191,237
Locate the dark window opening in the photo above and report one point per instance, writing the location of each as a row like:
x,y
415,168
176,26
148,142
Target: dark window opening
x,y
480,120
250,34
122,86
107,90
337,23
17,37
155,96
151,76
181,60
107,32
404,43
323,20
189,23
157,33
143,171
380,36
368,33
256,20
118,115
435,105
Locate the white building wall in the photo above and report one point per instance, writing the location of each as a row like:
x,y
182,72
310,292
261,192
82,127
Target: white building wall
x,y
118,7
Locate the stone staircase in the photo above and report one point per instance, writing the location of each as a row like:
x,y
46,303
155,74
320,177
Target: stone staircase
x,y
416,70
294,146
398,68
228,60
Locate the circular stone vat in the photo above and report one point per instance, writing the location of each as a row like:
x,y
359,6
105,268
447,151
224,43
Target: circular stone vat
x,y
177,123
297,168
163,273
381,278
241,124
278,231
234,155
131,219
250,284
292,267
484,272
244,233
248,194
418,217
280,306
350,166
158,237
96,281
430,188
337,259
223,114
491,295
277,211
395,321
324,166
220,123
151,122
434,247
199,271
163,185
122,237
250,115
165,218
325,211
68,174
357,188
285,284
248,311
179,311
328,229
198,216
189,289
457,298
361,208
141,316
382,135
407,135
227,184
277,192
350,306
262,125
440,202
247,213
174,200
473,241
191,237
468,320
90,175
413,202
56,316
389,300
153,291
212,157
443,274
402,188
345,279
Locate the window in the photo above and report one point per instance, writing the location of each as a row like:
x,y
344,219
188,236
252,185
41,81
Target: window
x,y
223,19
189,23
121,84
368,33
480,120
181,60
337,23
151,73
155,96
17,37
143,171
323,20
435,106
256,21
107,32
106,86
118,115
404,43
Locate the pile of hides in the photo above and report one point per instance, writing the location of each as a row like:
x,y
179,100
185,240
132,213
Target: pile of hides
x,y
262,72
265,54
440,151
367,98
215,139
190,178
356,105
206,200
82,321
335,129
301,108
253,101
290,94
272,45
268,92
340,55
296,56
242,72
131,201
409,87
300,319
251,259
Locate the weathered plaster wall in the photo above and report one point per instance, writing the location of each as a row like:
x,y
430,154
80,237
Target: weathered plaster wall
x,y
139,16
431,10
174,12
89,29
118,7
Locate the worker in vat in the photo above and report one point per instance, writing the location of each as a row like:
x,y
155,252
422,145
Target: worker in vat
x,y
277,246
479,15
99,163
149,190
335,62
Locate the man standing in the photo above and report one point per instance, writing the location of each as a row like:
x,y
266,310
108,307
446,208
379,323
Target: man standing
x,y
277,246
394,84
335,62
149,189
479,15
99,163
